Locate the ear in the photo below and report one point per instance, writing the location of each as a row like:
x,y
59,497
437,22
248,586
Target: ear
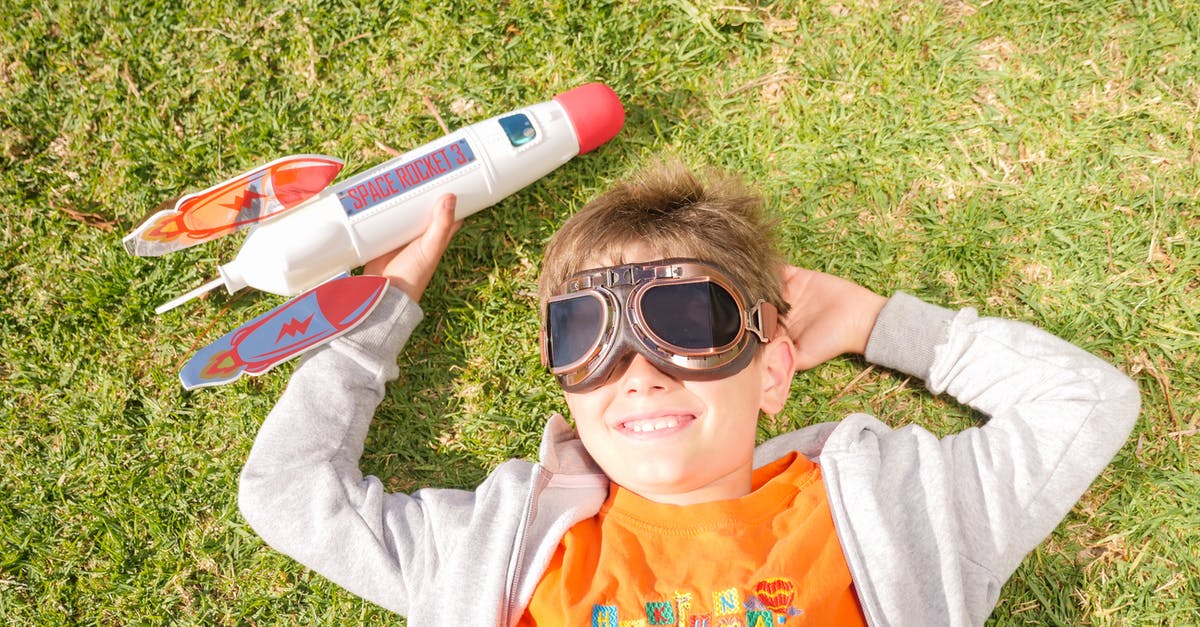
x,y
778,363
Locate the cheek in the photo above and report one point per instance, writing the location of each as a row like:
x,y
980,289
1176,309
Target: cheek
x,y
586,409
574,403
588,416
741,392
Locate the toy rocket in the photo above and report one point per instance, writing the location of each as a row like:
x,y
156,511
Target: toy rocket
x,y
306,233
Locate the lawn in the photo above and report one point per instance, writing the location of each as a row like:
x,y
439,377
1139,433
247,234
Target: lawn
x,y
1034,160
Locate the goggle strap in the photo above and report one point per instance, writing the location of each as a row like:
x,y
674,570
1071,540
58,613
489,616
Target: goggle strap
x,y
762,320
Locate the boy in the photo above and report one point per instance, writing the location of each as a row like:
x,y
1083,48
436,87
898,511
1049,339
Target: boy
x,y
671,321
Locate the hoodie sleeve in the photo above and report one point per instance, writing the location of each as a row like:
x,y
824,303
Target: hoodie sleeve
x,y
1056,415
301,488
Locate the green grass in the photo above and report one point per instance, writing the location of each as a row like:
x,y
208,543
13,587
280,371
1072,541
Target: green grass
x,y
1035,160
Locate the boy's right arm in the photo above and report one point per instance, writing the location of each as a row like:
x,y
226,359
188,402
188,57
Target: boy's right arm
x,y
301,488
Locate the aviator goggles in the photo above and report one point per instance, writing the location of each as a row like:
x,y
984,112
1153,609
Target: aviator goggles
x,y
686,317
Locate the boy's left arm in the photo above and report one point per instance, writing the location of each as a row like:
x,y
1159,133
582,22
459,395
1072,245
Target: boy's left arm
x,y
1056,416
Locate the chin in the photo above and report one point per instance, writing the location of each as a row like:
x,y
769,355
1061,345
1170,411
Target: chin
x,y
661,483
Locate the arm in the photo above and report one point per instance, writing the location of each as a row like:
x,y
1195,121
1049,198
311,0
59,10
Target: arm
x,y
301,488
1057,414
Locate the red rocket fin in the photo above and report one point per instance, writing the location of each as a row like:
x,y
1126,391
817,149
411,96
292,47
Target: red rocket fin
x,y
244,200
311,319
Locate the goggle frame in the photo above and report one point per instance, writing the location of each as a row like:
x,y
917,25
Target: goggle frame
x,y
621,289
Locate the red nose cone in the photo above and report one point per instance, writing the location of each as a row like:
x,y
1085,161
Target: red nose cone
x,y
596,113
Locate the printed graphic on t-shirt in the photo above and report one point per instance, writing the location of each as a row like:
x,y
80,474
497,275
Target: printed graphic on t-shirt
x,y
768,603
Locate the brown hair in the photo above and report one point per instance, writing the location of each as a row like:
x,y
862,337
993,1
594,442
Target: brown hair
x,y
674,213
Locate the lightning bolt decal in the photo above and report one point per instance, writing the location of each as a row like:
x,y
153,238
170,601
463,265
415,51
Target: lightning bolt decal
x,y
313,318
246,200
294,327
248,205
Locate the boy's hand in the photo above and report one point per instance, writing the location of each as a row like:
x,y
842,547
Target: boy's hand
x,y
411,266
829,315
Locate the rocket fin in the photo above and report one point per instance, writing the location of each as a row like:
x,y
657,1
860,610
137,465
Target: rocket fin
x,y
312,319
244,200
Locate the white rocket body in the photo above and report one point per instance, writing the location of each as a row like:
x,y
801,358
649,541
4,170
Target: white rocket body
x,y
389,205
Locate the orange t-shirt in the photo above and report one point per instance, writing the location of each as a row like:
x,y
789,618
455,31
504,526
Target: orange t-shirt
x,y
769,558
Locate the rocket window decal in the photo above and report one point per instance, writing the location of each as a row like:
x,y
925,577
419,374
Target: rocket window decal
x,y
518,128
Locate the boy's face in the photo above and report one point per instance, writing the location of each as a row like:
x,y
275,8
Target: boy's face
x,y
680,441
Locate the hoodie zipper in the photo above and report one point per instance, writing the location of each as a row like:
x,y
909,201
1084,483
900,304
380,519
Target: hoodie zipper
x,y
540,480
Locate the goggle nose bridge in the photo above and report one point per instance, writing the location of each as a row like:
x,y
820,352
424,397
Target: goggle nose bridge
x,y
622,275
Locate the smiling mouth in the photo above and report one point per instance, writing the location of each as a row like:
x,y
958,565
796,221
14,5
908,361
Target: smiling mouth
x,y
662,424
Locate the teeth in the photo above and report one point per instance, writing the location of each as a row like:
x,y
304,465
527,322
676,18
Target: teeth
x,y
646,426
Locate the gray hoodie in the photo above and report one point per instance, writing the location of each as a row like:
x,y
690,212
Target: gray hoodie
x,y
931,528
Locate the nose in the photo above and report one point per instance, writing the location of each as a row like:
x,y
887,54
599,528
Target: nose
x,y
642,377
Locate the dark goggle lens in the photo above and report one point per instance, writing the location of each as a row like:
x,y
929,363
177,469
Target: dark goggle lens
x,y
694,316
573,326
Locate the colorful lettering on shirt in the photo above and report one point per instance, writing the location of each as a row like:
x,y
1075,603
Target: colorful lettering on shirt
x,y
660,613
759,618
604,616
726,602
769,604
370,191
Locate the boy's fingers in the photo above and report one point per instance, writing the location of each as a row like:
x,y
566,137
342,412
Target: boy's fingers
x,y
443,218
443,225
434,239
